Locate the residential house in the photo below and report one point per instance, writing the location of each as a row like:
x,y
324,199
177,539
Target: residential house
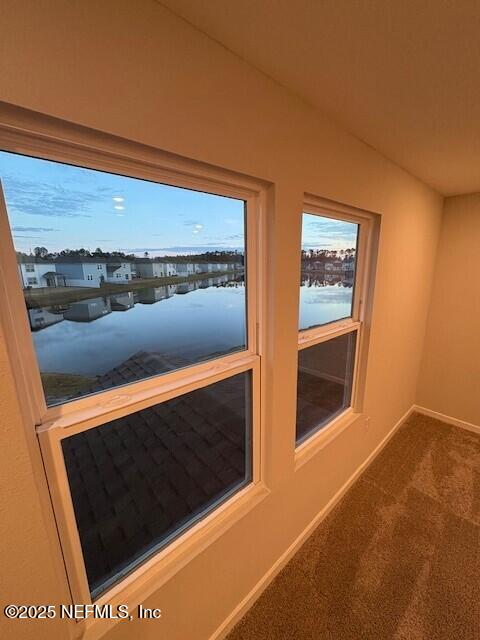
x,y
148,268
185,269
204,267
37,273
170,269
119,271
82,271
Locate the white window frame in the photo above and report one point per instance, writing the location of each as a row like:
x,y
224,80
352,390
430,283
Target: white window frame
x,y
43,137
358,321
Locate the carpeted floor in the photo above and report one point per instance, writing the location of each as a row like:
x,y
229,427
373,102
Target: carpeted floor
x,y
399,556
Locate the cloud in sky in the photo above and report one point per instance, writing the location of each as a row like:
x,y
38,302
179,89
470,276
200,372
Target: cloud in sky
x,y
47,199
327,233
147,213
43,229
317,245
183,249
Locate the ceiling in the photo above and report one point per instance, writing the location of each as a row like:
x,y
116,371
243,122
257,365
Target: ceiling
x,y
402,75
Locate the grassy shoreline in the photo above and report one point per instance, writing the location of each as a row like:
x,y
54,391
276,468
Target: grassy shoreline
x,y
65,385
45,297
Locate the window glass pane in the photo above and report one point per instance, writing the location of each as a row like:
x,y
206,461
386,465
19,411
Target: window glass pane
x,y
106,262
328,270
325,373
138,481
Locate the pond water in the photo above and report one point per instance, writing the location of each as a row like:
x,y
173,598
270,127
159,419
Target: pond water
x,y
324,298
115,339
190,321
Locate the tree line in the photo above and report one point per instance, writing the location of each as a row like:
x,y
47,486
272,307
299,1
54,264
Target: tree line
x,y
326,255
209,256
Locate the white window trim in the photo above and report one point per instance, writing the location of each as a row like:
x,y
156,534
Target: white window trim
x,y
358,321
39,136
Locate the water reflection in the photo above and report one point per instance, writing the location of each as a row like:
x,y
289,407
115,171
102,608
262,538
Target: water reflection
x,y
325,297
122,301
186,287
150,296
88,310
107,341
41,318
95,308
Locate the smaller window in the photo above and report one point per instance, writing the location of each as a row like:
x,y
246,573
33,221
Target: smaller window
x,y
332,312
32,281
30,267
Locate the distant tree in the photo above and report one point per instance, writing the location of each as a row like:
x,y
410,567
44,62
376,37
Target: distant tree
x,y
40,252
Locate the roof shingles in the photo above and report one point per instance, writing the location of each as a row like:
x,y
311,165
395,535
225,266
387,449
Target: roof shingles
x,y
139,479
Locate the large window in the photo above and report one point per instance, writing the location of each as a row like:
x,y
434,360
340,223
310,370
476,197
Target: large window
x,y
136,342
333,259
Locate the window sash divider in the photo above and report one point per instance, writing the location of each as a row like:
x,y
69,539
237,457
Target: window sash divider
x,y
106,406
311,337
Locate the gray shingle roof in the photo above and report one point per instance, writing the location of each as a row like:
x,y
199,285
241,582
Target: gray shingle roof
x,y
138,480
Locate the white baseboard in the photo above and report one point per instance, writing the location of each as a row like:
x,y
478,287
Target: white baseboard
x,y
240,610
448,419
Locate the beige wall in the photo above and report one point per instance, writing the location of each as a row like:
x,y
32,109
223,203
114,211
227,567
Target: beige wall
x,y
450,375
134,69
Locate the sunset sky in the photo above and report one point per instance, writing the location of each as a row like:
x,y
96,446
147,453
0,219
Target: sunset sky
x,y
59,206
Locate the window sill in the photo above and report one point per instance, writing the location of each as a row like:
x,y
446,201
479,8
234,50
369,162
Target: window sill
x,y
149,577
324,437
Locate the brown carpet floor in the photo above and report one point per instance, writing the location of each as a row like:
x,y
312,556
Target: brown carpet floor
x,y
398,557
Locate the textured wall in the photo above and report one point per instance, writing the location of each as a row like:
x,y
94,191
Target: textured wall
x,y
450,375
134,69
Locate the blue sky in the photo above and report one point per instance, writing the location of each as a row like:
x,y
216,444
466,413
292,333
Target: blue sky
x,y
59,206
319,232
